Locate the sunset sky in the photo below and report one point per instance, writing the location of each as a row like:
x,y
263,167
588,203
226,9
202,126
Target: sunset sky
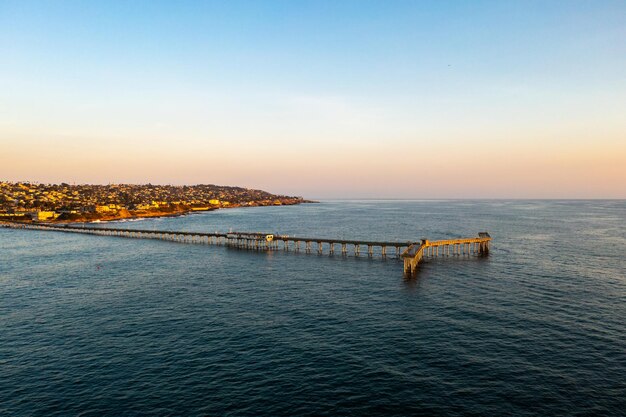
x,y
337,99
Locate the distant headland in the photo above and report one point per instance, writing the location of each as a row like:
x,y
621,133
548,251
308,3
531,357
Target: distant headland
x,y
25,201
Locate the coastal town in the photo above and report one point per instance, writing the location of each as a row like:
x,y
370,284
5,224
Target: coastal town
x,y
26,201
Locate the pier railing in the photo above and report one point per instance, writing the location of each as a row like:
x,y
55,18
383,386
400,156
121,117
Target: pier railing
x,y
413,253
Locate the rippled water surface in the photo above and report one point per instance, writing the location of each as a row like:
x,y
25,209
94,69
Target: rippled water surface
x,y
96,326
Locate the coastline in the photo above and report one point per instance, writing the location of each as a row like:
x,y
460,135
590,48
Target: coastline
x,y
140,214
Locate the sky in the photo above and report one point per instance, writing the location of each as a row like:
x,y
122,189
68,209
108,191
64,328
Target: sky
x,y
321,99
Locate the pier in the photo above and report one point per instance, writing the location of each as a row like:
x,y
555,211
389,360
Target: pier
x,y
412,253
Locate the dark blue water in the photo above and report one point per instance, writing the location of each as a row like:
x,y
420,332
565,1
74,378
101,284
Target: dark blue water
x,y
97,326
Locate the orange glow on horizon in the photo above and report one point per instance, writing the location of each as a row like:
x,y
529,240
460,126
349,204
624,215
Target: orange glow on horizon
x,y
472,169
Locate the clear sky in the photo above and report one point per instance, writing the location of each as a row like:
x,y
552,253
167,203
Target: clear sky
x,y
401,99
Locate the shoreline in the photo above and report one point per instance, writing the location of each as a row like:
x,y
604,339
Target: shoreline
x,y
134,215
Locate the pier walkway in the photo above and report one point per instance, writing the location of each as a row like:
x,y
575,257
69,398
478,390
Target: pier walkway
x,y
413,253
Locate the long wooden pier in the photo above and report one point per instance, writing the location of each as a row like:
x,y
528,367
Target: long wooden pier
x,y
413,253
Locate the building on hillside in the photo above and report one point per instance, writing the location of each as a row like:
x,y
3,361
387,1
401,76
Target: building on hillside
x,y
44,215
103,209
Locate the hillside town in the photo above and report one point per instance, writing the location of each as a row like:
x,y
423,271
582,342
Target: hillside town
x,y
24,201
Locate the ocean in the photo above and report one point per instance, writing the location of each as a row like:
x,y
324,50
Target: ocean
x,y
107,326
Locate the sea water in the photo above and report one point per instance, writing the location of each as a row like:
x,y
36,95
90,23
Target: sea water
x,y
94,326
